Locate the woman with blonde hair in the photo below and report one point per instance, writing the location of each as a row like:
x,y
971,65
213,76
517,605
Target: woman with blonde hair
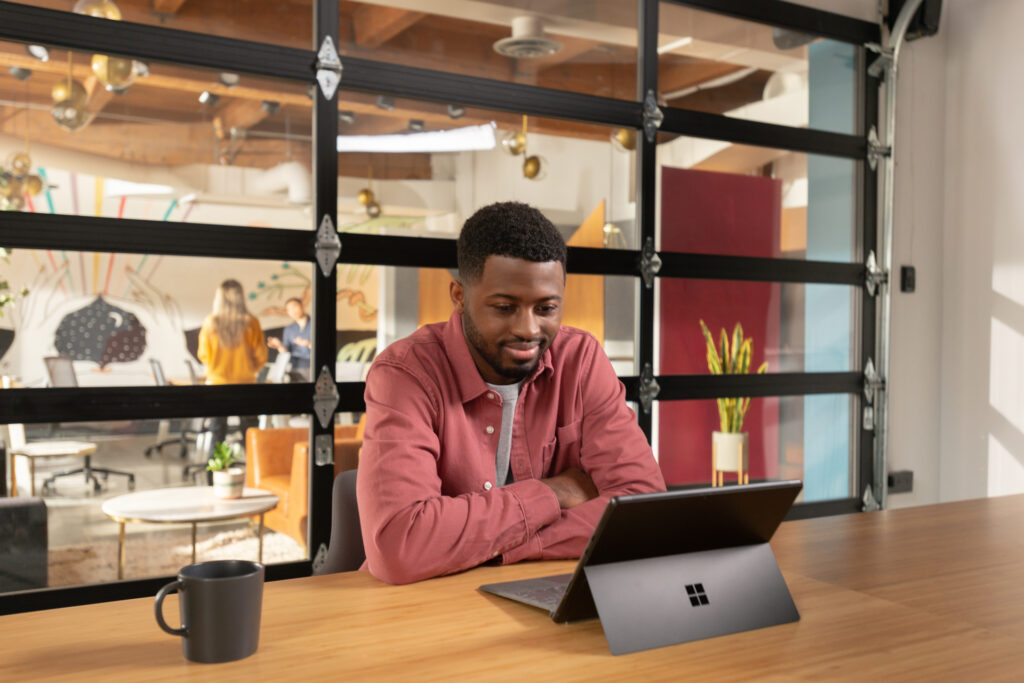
x,y
231,346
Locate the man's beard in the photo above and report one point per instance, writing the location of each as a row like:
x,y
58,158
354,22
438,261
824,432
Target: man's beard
x,y
512,371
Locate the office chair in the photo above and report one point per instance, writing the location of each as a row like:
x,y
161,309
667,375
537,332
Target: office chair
x,y
279,370
346,552
164,427
62,374
61,371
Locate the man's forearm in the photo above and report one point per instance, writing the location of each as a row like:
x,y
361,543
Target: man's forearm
x,y
443,534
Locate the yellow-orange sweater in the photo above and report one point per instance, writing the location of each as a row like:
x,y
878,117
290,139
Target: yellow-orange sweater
x,y
232,366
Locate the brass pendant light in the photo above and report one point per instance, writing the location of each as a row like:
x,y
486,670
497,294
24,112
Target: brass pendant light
x,y
69,100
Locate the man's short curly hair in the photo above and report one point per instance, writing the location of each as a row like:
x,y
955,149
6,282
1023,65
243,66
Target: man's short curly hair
x,y
507,229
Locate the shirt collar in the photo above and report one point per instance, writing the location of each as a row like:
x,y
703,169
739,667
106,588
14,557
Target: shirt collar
x,y
471,384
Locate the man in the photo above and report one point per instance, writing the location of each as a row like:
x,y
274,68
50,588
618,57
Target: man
x,y
296,340
499,435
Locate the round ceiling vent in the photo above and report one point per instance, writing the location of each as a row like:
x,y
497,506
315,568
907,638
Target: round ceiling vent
x,y
528,40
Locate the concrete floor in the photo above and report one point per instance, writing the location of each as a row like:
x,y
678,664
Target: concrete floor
x,y
73,507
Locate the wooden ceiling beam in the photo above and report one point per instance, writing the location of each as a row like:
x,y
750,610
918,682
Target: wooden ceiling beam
x,y
167,6
242,114
374,25
99,96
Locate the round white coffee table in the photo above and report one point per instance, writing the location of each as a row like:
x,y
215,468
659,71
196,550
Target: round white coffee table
x,y
186,504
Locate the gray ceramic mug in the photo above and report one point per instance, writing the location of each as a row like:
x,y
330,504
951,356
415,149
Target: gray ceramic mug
x,y
220,604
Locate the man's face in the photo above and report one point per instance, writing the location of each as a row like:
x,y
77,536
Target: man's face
x,y
510,315
295,310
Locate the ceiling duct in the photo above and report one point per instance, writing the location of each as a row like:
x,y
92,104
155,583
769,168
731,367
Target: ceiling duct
x,y
527,41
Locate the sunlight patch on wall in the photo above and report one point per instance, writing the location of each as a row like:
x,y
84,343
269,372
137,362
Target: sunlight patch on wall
x,y
1006,368
1005,471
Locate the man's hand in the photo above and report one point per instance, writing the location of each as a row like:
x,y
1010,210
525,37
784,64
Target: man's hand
x,y
302,341
275,343
572,487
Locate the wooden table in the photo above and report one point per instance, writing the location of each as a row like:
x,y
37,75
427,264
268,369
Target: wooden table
x,y
930,593
185,504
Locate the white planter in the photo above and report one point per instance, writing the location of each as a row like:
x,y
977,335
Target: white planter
x,y
729,452
228,483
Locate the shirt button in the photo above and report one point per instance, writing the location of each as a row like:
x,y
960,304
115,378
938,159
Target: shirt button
x,y
490,429
490,395
487,486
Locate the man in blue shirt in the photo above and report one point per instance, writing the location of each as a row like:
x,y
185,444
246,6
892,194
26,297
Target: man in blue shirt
x,y
296,340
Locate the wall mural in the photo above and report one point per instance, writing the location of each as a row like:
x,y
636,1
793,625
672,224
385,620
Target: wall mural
x,y
59,316
102,333
113,312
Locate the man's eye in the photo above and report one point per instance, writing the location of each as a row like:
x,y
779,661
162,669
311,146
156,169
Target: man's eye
x,y
504,308
547,309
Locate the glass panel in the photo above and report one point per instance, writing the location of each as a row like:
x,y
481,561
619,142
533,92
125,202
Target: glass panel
x,y
167,143
714,63
738,200
113,314
586,46
281,22
581,176
401,300
73,538
793,327
792,437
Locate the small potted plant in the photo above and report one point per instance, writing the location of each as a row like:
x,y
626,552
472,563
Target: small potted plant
x,y
729,445
227,480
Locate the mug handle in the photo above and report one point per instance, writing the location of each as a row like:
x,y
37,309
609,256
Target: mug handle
x,y
172,587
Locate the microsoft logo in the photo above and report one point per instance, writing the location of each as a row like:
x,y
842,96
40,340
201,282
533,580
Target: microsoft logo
x,y
697,595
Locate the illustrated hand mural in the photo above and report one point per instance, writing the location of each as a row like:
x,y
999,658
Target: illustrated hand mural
x,y
116,333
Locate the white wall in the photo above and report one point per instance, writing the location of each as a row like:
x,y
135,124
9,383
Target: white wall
x,y
982,420
957,364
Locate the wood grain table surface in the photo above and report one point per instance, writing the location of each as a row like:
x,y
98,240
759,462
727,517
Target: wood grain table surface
x,y
928,593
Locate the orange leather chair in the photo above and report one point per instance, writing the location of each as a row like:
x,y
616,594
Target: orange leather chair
x,y
277,460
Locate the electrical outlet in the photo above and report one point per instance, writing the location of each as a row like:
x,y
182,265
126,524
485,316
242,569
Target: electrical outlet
x,y
908,279
901,481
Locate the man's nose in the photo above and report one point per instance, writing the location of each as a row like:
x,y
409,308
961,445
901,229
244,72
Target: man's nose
x,y
526,325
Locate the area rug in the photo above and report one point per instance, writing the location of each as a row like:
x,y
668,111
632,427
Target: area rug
x,y
163,553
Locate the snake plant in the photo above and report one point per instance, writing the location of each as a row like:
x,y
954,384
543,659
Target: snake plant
x,y
731,358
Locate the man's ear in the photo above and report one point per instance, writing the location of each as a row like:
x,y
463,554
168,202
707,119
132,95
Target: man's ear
x,y
458,295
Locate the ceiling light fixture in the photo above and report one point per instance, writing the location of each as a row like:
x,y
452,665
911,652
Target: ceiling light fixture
x,y
229,79
208,98
386,103
456,111
468,138
39,52
527,41
347,117
141,68
416,125
20,73
675,45
270,107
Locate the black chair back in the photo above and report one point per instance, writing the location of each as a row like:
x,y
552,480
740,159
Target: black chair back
x,y
346,551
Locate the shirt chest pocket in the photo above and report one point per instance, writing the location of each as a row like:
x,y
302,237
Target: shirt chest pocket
x,y
563,451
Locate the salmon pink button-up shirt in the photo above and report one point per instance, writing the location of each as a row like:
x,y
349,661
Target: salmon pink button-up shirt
x,y
428,500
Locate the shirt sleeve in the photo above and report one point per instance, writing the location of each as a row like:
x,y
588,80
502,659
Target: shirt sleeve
x,y
613,451
204,352
411,531
257,348
288,338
